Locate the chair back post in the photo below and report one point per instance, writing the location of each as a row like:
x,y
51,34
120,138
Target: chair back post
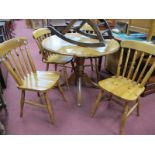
x,y
120,62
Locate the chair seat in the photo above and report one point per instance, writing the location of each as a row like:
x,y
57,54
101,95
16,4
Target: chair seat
x,y
41,81
122,87
58,59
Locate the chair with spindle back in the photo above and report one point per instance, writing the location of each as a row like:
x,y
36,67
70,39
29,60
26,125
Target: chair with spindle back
x,y
129,82
49,58
88,29
15,55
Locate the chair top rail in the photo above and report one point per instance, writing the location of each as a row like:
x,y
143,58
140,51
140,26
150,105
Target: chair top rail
x,y
7,46
40,32
139,46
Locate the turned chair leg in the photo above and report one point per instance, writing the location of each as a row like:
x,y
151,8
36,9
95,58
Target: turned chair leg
x,y
56,66
100,63
73,66
49,109
91,63
22,100
66,77
124,118
97,103
47,66
38,94
61,92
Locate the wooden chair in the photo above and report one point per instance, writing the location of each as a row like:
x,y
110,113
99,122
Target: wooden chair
x,y
93,61
97,62
129,82
36,23
15,55
143,26
48,57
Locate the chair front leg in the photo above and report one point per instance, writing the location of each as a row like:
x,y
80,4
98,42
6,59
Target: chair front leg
x,y
49,109
124,118
97,103
22,100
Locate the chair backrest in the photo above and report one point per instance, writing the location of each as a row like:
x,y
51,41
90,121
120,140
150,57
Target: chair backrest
x,y
87,28
135,61
15,55
146,26
39,35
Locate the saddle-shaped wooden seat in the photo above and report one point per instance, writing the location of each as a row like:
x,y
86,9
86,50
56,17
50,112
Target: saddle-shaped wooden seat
x,y
122,87
41,81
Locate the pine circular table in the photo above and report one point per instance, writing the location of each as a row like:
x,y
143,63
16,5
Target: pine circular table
x,y
56,45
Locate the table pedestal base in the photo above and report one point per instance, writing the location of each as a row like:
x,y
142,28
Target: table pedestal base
x,y
80,78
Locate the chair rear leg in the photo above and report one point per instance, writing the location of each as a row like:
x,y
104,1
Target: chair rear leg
x,y
97,103
47,66
91,63
73,66
66,77
124,118
96,68
38,94
100,63
49,109
22,100
61,92
56,67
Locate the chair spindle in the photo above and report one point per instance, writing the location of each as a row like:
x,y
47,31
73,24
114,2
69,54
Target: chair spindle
x,y
144,69
25,60
132,65
30,60
138,66
126,63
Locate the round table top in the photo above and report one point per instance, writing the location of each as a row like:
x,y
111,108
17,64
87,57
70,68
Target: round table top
x,y
57,45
